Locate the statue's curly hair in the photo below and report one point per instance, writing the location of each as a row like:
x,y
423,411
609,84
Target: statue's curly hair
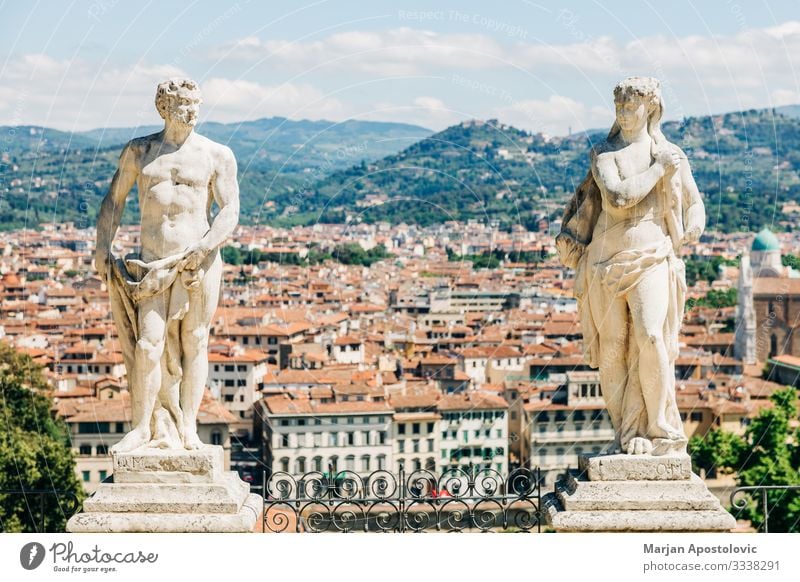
x,y
168,90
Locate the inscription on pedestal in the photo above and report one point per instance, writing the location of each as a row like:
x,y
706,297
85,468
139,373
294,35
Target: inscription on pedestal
x,y
636,467
146,465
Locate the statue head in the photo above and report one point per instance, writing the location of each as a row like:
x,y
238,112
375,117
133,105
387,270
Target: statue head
x,y
638,102
178,100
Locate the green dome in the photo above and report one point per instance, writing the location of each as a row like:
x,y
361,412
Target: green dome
x,y
766,241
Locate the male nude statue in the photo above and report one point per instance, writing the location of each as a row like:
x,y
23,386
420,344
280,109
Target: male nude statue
x,y
163,298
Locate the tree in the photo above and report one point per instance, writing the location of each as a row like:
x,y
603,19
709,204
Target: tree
x,y
717,451
771,458
35,453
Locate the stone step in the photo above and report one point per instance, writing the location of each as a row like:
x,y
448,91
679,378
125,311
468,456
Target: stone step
x,y
224,496
242,521
689,495
634,521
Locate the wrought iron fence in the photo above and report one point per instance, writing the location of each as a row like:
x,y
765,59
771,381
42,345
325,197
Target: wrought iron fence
x,y
763,499
458,499
35,516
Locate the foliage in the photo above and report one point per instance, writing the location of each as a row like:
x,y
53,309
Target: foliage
x,y
772,457
719,450
716,298
354,254
34,448
347,254
492,259
708,269
792,261
769,454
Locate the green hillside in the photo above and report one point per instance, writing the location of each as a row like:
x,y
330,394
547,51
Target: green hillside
x,y
49,175
298,172
745,163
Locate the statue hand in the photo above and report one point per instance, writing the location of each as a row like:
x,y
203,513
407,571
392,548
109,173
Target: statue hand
x,y
195,256
669,159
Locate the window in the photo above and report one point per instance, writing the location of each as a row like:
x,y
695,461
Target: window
x,y
350,462
229,383
430,445
102,449
103,475
300,465
85,450
381,462
241,368
351,438
382,438
401,446
365,440
86,476
334,439
317,439
430,427
350,420
229,398
241,398
284,440
415,428
241,382
216,438
697,416
415,445
318,464
401,429
229,367
365,463
285,464
120,427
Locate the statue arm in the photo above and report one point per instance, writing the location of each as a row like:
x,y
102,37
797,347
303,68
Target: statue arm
x,y
113,206
694,209
226,194
623,193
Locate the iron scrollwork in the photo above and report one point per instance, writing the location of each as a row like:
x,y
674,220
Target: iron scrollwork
x,y
459,499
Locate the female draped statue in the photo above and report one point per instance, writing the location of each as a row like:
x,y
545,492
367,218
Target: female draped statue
x,y
622,233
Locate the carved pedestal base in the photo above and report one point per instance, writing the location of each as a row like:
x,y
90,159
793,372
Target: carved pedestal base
x,y
634,493
156,490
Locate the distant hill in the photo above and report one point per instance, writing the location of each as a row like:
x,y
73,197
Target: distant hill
x,y
298,172
54,175
745,163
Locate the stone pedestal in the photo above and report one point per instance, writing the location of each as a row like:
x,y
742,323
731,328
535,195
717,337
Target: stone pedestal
x,y
157,490
634,493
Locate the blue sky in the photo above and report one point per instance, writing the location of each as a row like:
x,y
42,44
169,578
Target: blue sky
x,y
544,66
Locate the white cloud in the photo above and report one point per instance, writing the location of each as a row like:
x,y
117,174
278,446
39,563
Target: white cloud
x,y
229,100
398,51
554,115
426,111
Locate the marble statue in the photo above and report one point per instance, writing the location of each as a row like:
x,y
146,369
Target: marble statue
x,y
622,232
163,297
